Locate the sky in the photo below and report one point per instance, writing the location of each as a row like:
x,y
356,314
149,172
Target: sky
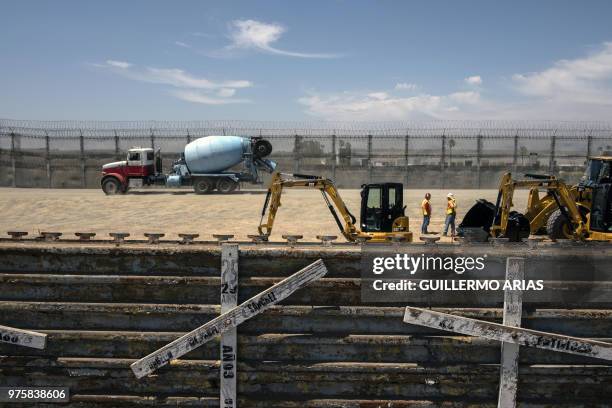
x,y
307,60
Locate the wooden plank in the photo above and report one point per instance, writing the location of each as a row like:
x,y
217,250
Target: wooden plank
x,y
513,308
23,338
499,332
228,350
225,321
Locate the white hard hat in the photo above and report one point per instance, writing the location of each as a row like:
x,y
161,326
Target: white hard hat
x,y
449,195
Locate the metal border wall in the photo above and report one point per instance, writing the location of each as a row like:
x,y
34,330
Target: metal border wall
x,y
464,154
102,307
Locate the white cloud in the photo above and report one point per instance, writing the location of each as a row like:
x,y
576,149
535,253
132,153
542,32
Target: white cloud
x,y
182,44
405,86
469,97
179,78
203,98
473,80
570,89
252,34
586,80
118,64
226,92
378,95
383,106
193,88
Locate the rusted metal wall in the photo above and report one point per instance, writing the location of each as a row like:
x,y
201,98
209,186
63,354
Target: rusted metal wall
x,y
103,307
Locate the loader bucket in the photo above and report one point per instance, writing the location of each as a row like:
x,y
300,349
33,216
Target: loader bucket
x,y
479,216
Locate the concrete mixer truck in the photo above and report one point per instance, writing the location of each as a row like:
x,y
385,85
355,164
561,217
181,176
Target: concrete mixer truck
x,y
208,164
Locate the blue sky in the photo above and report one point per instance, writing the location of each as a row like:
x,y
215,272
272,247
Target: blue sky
x,y
308,60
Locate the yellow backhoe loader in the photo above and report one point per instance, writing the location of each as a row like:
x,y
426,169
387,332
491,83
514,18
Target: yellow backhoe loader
x,y
382,208
576,212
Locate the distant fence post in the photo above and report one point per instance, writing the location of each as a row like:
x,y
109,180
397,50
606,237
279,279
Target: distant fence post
x,y
443,158
82,155
333,157
553,147
116,145
152,139
478,158
515,153
406,156
296,153
369,158
48,158
13,160
589,144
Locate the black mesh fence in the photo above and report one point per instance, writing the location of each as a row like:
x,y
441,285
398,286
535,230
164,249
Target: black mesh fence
x,y
462,154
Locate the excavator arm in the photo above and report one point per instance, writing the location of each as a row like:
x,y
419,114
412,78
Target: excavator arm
x,y
343,217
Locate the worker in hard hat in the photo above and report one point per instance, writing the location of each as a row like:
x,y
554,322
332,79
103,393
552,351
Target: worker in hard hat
x,y
451,213
426,209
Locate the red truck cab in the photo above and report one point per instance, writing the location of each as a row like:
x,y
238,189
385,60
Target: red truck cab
x,y
135,171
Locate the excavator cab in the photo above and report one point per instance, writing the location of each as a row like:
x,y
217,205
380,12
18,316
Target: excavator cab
x,y
599,170
381,204
601,209
598,179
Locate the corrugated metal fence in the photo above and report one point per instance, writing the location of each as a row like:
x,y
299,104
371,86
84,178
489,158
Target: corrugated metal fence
x,y
103,307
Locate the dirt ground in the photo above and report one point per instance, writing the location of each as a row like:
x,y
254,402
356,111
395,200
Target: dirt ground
x,y
175,211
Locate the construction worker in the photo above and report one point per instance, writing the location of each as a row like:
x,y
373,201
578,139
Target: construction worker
x,y
451,213
426,208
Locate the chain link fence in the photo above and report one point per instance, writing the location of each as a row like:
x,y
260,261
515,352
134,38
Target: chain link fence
x,y
438,154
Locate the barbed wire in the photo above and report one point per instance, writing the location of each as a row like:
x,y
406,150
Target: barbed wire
x,y
308,127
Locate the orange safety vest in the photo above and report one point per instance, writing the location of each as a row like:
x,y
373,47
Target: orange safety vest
x,y
426,207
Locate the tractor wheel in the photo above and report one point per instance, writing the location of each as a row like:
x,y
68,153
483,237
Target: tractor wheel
x,y
203,185
557,226
111,186
226,185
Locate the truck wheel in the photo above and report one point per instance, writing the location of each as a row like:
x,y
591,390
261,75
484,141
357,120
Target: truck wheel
x,y
111,186
557,226
203,185
226,185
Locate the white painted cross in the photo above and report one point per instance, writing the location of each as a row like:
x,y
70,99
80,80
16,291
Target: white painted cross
x,y
229,300
513,308
516,335
228,320
24,338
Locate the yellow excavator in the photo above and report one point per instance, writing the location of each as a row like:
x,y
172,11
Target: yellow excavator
x,y
576,212
382,208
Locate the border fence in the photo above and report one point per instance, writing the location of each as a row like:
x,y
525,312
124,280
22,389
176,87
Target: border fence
x,y
105,308
437,154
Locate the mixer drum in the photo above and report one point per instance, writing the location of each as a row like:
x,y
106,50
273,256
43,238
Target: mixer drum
x,y
213,154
